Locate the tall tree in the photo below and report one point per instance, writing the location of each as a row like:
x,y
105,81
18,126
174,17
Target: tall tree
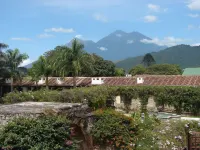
x,y
2,59
164,69
119,72
138,70
103,67
148,60
72,60
41,68
13,59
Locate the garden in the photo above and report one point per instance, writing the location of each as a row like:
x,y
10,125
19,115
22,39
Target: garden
x,y
111,129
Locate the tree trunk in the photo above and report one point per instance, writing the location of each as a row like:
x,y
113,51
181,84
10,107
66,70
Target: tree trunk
x,y
74,81
47,82
11,84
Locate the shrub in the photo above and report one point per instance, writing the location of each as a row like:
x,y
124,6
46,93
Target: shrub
x,y
114,129
146,138
183,99
121,132
45,132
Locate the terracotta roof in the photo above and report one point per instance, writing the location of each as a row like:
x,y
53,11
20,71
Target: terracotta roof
x,y
149,80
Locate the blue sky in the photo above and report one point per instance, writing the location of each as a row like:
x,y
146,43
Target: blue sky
x,y
35,26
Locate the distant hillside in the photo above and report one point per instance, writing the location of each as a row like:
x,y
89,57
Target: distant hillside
x,y
183,55
120,45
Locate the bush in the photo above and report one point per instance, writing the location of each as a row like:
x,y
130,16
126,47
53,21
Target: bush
x,y
36,96
146,138
44,133
183,99
113,129
118,131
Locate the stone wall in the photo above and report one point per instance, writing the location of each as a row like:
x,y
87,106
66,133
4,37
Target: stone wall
x,y
33,109
136,105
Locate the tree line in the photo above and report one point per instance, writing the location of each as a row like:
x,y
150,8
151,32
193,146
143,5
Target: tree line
x,y
62,61
72,61
149,66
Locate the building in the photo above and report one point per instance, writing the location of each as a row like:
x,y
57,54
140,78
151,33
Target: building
x,y
191,72
67,82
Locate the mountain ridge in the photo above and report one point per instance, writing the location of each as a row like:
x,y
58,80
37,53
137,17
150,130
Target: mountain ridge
x,y
119,45
183,55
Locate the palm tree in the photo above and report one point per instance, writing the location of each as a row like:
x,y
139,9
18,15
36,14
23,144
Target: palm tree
x,y
41,68
2,59
72,60
148,60
13,60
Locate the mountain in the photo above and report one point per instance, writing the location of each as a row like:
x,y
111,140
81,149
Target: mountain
x,y
120,45
183,55
29,65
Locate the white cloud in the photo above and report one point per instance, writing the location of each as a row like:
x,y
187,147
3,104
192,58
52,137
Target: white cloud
x,y
153,7
25,62
196,44
21,39
100,17
78,36
167,41
118,35
45,35
102,48
63,30
194,4
150,18
194,15
130,41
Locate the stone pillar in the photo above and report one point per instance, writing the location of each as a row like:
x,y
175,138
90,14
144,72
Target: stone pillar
x,y
24,89
151,106
135,105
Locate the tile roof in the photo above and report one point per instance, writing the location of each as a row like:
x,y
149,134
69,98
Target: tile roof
x,y
149,80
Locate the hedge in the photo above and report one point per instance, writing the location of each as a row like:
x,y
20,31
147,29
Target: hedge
x,y
181,98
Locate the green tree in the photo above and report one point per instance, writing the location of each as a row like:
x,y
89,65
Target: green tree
x,y
41,68
103,67
3,71
13,59
72,60
164,69
138,70
148,60
119,72
3,46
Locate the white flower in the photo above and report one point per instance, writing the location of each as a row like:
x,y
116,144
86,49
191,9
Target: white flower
x,y
167,142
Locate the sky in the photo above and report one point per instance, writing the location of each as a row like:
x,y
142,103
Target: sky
x,y
36,26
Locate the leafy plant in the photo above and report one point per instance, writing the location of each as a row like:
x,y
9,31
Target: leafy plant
x,y
114,129
45,132
183,99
